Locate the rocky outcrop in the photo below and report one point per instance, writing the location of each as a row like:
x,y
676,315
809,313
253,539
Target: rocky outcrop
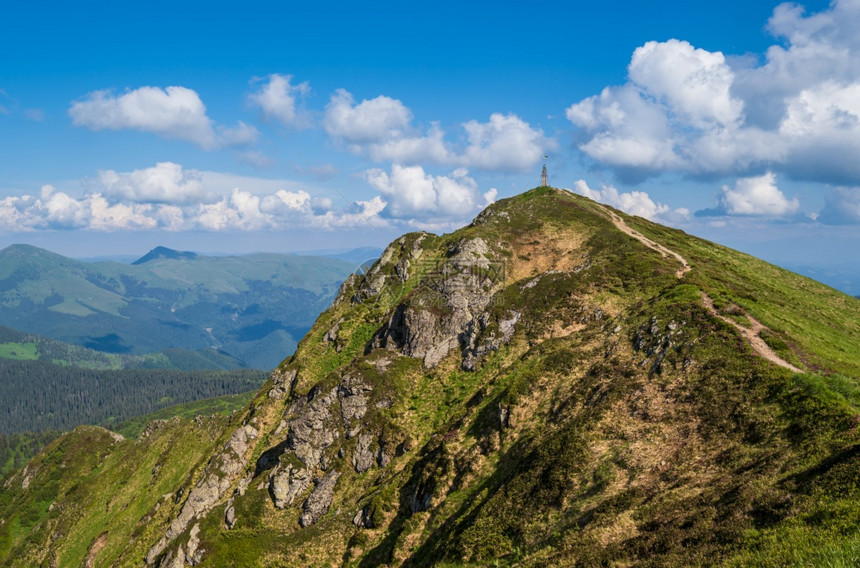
x,y
479,342
286,483
363,458
214,483
311,431
230,516
320,499
314,424
363,518
354,395
449,302
283,381
656,342
331,336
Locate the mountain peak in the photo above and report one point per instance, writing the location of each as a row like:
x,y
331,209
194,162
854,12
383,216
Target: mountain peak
x,y
164,252
557,383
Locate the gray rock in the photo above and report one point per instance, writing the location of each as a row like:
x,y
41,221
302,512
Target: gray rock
x,y
363,458
478,345
319,500
504,416
362,518
194,554
283,381
215,481
311,432
440,311
354,395
286,483
331,336
230,517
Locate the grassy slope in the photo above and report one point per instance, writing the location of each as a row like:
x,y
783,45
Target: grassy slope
x,y
218,405
822,324
651,435
118,488
605,460
17,449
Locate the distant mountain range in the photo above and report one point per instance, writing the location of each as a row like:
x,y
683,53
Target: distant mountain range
x,y
252,308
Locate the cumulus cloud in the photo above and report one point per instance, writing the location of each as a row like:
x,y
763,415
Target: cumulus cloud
x,y
411,192
504,142
693,111
382,129
174,112
171,198
279,99
166,182
633,202
370,120
758,195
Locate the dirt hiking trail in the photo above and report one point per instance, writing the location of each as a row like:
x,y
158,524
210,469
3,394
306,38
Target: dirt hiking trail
x,y
751,334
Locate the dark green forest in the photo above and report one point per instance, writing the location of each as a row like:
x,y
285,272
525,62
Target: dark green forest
x,y
36,396
17,449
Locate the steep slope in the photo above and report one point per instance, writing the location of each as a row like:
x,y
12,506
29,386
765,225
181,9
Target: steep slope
x,y
556,384
253,307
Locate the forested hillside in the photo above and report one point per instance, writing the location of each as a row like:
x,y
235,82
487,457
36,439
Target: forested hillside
x,y
37,396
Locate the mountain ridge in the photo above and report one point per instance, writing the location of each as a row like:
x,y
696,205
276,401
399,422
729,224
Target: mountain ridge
x,y
171,300
164,252
539,388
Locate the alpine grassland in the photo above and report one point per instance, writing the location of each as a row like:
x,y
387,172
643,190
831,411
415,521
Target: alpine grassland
x,y
555,384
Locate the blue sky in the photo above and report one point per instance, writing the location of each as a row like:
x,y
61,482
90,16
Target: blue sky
x,y
285,126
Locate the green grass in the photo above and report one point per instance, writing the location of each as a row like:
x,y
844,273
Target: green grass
x,y
218,405
821,324
16,450
651,435
19,351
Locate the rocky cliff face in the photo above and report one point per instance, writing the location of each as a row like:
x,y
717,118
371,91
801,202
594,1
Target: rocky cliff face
x,y
538,388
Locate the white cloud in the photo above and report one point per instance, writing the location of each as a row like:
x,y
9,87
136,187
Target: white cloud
x,y
693,111
382,129
374,120
174,112
410,192
279,100
286,202
505,142
490,196
171,198
634,202
757,195
166,182
692,83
